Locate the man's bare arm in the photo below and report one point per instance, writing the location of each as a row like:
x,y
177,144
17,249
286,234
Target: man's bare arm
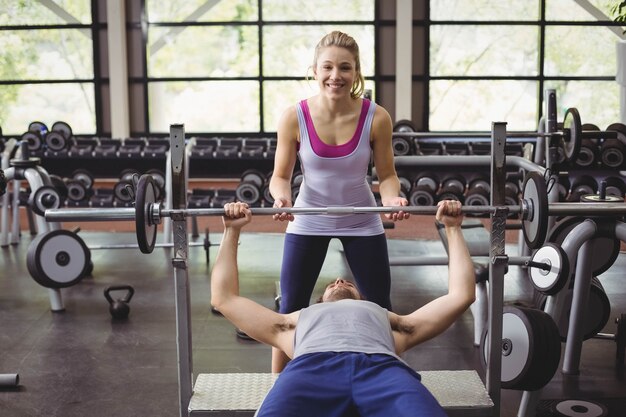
x,y
435,317
255,320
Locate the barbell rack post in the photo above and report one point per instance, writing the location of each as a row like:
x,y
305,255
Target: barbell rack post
x,y
181,274
497,265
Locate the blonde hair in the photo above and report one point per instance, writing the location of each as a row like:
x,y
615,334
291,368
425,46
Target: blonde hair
x,y
343,40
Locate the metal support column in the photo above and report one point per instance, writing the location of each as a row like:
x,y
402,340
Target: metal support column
x,y
179,262
498,262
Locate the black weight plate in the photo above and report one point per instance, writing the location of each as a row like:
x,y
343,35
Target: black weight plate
x,y
58,259
121,192
146,196
596,314
63,128
531,349
55,141
572,126
535,193
605,249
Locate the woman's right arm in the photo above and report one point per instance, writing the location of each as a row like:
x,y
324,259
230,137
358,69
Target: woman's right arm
x,y
284,161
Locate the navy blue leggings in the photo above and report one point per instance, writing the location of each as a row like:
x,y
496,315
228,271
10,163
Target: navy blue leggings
x,y
303,258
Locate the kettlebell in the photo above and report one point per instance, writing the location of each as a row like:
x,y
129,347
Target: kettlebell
x,y
119,308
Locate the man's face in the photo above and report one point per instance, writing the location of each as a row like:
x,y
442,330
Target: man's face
x,y
340,289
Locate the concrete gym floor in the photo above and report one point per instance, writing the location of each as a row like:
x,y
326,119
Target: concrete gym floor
x,y
82,363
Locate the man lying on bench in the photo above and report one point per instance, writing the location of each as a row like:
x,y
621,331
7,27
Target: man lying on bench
x,y
345,350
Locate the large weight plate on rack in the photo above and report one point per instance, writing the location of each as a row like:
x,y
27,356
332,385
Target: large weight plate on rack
x,y
531,348
572,129
597,311
146,197
58,259
605,249
535,193
549,281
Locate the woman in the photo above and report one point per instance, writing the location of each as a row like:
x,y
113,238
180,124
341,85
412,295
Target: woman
x,y
334,134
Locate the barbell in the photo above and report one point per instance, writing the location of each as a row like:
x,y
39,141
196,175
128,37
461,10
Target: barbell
x,y
572,134
533,211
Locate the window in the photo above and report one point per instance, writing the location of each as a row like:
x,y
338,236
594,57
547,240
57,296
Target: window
x,y
46,65
491,61
234,67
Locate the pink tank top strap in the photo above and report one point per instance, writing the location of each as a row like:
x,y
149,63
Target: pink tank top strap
x,y
329,151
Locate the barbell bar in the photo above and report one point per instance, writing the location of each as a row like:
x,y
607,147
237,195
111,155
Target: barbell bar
x,y
128,213
147,213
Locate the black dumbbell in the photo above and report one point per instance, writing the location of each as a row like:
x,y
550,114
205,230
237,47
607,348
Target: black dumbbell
x,y
452,188
585,184
405,186
63,128
478,192
424,188
612,150
250,188
615,186
83,176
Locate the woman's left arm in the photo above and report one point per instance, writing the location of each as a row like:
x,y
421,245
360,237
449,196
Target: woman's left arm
x,y
388,183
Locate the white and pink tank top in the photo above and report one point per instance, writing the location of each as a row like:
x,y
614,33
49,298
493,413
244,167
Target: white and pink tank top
x,y
335,176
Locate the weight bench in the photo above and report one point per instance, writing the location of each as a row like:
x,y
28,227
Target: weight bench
x,y
478,242
460,393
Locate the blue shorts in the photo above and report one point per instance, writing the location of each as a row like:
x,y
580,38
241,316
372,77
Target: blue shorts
x,y
303,258
347,384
